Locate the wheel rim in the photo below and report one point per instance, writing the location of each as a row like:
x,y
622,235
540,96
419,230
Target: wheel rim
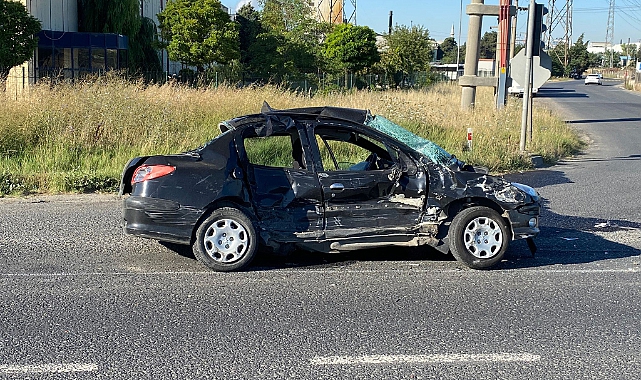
x,y
483,238
226,241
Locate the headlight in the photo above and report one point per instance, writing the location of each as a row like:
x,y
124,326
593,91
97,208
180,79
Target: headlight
x,y
527,190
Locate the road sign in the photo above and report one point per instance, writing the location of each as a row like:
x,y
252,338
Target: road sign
x,y
541,65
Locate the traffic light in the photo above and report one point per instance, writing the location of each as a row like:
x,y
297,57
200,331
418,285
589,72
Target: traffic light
x,y
539,28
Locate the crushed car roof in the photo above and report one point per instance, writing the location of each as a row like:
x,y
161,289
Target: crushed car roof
x,y
349,114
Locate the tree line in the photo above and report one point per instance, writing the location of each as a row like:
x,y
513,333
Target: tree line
x,y
279,43
283,41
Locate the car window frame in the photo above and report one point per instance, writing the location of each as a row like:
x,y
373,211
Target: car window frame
x,y
392,150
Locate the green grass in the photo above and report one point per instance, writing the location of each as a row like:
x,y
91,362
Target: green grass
x,y
77,137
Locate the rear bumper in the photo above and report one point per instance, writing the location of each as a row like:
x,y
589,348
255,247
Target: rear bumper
x,y
159,219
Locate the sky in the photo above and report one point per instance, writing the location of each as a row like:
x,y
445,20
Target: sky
x,y
589,17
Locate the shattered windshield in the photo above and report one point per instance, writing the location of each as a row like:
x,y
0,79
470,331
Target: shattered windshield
x,y
428,148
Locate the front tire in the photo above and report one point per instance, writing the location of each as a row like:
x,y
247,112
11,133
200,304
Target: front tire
x,y
225,241
478,237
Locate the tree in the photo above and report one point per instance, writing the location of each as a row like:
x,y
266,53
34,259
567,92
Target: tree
x,y
407,51
109,16
250,27
518,48
295,19
449,47
143,53
351,48
630,50
282,16
123,17
487,48
579,59
199,33
18,38
267,58
283,43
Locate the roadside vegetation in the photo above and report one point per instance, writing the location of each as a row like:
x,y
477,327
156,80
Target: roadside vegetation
x,y
77,137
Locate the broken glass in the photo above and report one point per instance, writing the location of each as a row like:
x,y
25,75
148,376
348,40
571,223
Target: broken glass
x,y
428,148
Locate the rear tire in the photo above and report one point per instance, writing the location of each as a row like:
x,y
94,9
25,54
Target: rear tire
x,y
479,237
225,241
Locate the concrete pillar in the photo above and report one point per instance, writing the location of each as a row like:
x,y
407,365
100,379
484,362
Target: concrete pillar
x,y
468,94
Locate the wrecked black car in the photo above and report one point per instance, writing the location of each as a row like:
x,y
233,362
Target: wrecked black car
x,y
326,179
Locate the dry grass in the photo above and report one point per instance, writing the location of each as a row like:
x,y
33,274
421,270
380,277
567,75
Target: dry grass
x,y
78,137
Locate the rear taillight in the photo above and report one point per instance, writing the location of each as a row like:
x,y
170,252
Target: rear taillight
x,y
147,172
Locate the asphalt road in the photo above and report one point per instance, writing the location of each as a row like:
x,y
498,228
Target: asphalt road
x,y
80,300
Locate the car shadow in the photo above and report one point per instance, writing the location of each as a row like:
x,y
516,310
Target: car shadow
x,y
555,92
616,120
539,178
564,239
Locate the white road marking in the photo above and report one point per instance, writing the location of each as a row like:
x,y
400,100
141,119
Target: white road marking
x,y
425,359
48,368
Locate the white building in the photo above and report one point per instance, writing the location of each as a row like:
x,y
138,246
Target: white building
x,y
602,47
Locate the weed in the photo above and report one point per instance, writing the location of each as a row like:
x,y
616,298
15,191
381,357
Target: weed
x,y
77,137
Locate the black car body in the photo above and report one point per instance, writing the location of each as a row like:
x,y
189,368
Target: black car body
x,y
226,198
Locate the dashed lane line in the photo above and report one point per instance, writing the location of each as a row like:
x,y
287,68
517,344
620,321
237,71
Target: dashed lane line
x,y
47,368
425,359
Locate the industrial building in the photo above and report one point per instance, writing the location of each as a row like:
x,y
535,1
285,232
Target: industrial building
x,y
64,52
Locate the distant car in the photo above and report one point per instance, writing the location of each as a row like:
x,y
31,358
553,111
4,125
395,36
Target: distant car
x,y
517,90
576,75
593,79
326,179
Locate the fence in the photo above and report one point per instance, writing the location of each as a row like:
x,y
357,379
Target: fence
x,y
17,81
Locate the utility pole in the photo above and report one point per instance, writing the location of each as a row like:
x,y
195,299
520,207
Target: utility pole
x,y
470,80
502,50
468,94
527,86
513,33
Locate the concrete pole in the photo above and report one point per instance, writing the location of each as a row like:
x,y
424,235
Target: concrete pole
x,y
468,94
527,86
513,36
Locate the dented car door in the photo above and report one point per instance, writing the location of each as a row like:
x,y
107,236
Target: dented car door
x,y
284,191
377,195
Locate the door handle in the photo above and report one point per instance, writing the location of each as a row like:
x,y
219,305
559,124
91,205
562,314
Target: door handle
x,y
336,187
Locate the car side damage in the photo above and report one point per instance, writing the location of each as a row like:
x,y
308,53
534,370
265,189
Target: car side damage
x,y
321,178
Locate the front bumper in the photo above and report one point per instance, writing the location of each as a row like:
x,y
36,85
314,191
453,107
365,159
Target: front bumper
x,y
159,219
525,221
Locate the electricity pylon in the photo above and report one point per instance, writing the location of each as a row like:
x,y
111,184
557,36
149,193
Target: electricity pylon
x,y
559,19
609,33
